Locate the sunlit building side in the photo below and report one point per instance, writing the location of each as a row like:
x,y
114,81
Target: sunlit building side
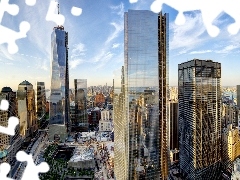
x,y
121,157
26,108
41,100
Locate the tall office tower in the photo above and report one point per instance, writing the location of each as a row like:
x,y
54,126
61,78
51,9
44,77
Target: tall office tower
x,y
26,108
238,96
81,118
59,97
120,130
173,130
146,100
9,144
199,97
230,135
41,100
230,115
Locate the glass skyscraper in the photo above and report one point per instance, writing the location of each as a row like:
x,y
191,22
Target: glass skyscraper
x,y
81,118
199,95
41,100
59,113
140,109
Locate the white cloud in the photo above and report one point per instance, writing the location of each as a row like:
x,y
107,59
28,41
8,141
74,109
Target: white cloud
x,y
201,52
118,28
104,58
118,9
44,65
187,36
74,63
228,49
104,55
115,45
78,50
5,54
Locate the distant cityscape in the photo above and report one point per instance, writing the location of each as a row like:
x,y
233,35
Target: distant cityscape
x,y
138,127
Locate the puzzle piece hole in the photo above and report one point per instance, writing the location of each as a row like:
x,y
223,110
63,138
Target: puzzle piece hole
x,y
4,105
30,2
4,169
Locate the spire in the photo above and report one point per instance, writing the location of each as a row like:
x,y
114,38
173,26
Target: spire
x,y
58,9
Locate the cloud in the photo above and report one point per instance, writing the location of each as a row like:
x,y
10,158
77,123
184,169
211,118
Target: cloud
x,y
115,45
118,9
187,36
104,58
118,28
105,55
5,54
228,49
44,65
201,52
74,63
78,50
77,53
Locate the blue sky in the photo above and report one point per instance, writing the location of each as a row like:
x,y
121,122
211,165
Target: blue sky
x,y
96,42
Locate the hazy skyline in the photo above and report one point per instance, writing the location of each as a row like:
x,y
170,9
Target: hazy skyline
x,y
96,43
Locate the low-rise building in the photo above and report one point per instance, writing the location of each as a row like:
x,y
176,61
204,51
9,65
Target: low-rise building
x,y
236,171
83,158
105,124
230,146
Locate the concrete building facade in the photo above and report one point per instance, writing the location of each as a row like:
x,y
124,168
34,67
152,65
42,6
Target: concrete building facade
x,y
26,109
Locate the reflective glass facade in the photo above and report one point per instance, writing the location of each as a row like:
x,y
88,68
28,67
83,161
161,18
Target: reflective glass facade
x,y
144,97
58,112
199,95
41,100
81,103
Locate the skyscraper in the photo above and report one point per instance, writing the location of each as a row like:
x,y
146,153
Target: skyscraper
x,y
26,108
143,98
59,97
81,118
41,99
199,95
173,130
238,96
11,144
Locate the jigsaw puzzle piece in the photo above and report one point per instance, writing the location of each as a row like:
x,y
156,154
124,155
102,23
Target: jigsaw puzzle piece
x,y
30,2
31,167
210,11
133,1
10,130
9,36
53,16
231,7
180,6
12,9
4,105
4,170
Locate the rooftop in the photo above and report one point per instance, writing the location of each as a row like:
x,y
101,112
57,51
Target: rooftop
x,y
82,154
6,89
25,83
